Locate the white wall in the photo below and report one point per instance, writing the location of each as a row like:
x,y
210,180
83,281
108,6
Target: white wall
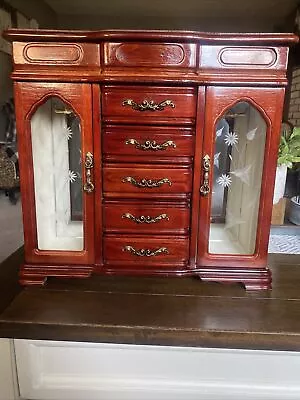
x,y
117,21
46,18
8,387
37,9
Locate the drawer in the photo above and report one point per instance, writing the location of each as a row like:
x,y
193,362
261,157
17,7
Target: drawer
x,y
146,140
144,104
150,54
126,179
126,250
146,218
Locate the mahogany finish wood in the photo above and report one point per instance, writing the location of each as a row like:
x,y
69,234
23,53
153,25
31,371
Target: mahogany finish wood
x,y
148,104
174,256
130,141
269,103
148,219
153,55
182,110
98,218
28,96
179,180
53,54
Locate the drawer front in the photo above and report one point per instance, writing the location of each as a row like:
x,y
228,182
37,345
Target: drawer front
x,y
146,179
57,55
150,141
146,251
147,54
142,104
143,218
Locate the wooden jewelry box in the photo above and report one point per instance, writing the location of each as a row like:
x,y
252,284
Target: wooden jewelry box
x,y
148,152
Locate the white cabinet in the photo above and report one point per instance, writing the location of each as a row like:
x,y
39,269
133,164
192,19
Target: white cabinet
x,y
87,371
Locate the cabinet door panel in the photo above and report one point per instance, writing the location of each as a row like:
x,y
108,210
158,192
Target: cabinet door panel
x,y
238,168
55,136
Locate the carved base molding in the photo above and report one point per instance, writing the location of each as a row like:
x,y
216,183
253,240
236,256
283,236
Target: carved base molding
x,y
250,278
37,275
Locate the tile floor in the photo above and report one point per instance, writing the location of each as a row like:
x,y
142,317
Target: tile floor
x,y
284,244
11,232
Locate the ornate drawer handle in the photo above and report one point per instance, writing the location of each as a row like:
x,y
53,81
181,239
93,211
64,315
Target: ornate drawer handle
x,y
146,183
148,105
88,165
148,145
145,219
145,252
205,188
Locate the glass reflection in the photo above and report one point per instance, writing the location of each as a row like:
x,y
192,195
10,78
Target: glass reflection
x,y
237,174
56,148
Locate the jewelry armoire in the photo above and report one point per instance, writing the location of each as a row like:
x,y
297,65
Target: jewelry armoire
x,y
148,152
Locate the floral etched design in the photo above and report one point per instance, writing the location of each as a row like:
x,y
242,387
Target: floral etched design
x,y
251,134
72,176
231,139
224,180
216,159
219,132
68,132
243,173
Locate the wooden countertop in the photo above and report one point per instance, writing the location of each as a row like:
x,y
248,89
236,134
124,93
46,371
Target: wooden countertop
x,y
160,311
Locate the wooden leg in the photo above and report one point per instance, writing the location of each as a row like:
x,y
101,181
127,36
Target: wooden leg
x,y
250,278
32,280
37,274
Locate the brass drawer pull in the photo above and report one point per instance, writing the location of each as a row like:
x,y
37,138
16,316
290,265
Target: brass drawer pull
x,y
148,105
145,219
145,252
148,145
146,183
88,165
205,188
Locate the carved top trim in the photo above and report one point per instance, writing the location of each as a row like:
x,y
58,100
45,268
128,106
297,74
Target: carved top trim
x,y
169,54
60,53
245,56
33,35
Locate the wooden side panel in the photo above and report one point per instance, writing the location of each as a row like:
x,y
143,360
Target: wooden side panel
x,y
197,167
97,133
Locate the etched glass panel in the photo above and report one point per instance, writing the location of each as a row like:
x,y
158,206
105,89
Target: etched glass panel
x,y
56,149
236,182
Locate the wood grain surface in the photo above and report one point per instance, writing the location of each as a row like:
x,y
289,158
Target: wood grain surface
x,y
163,311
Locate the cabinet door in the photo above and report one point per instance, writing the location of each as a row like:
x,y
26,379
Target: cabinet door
x,y
56,163
237,178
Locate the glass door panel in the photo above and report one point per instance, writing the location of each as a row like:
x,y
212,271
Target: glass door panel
x,y
56,149
240,137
